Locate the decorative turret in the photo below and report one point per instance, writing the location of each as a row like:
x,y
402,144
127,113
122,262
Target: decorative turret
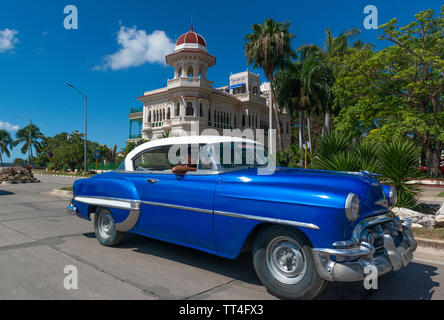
x,y
190,57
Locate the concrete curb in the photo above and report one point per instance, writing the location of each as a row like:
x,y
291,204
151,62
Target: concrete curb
x,y
437,244
427,182
58,175
19,182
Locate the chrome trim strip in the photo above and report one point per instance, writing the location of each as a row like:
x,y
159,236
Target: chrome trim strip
x,y
109,202
129,222
135,205
273,220
382,202
192,173
174,206
110,198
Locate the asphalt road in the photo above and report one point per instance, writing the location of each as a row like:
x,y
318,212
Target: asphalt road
x,y
38,239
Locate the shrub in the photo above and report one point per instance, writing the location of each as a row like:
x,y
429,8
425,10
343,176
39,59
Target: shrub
x,y
399,161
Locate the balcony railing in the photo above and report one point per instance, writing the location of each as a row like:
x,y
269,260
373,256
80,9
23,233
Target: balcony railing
x,y
250,97
189,82
136,110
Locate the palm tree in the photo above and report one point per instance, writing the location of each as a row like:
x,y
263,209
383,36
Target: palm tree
x,y
268,47
316,79
287,88
6,144
31,137
335,49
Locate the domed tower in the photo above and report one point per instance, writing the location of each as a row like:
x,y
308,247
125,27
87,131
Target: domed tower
x,y
190,57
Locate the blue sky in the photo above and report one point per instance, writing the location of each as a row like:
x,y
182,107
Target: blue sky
x,y
38,55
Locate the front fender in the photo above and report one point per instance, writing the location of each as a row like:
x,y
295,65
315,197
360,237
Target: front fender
x,y
240,207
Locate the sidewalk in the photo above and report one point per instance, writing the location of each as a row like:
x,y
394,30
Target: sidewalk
x,y
430,194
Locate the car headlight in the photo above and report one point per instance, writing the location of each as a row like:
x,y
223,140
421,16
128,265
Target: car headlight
x,y
352,207
393,197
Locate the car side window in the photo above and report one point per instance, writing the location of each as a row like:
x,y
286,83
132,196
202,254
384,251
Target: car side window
x,y
155,159
205,159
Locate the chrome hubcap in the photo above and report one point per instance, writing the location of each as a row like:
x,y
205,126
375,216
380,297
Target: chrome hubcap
x,y
105,225
286,260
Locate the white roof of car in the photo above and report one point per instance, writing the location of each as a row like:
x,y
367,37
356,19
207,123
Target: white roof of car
x,y
182,140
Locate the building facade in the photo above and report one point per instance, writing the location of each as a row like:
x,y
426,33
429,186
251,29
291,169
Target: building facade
x,y
189,100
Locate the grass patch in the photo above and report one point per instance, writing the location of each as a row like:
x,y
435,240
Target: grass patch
x,y
441,194
66,188
433,234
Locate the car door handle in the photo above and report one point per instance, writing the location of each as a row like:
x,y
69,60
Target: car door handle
x,y
152,181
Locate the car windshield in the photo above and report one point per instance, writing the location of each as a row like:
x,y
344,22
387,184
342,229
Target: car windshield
x,y
238,155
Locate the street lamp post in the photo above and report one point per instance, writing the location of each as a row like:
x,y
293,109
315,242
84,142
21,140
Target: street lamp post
x,y
85,169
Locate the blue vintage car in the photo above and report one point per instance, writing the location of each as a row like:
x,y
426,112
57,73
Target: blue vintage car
x,y
305,228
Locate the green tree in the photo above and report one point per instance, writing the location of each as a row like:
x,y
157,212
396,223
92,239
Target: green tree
x,y
6,144
130,145
398,91
18,162
31,137
305,86
268,47
336,49
68,151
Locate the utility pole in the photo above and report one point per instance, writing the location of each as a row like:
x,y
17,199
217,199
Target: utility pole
x,y
85,168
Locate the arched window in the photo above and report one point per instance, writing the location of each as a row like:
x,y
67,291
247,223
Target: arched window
x,y
190,109
288,127
179,73
149,116
200,110
243,120
190,71
169,114
209,114
177,110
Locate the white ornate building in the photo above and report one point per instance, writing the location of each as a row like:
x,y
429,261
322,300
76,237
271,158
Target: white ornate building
x,y
189,99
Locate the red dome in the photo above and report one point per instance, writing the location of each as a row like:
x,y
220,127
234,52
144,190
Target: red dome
x,y
191,37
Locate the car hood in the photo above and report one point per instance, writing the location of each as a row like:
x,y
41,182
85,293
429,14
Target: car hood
x,y
325,185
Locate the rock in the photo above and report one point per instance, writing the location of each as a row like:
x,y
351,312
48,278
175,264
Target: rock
x,y
427,208
417,225
439,221
426,220
440,212
15,174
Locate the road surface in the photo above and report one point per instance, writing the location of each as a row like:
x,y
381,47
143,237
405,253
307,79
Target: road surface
x,y
38,239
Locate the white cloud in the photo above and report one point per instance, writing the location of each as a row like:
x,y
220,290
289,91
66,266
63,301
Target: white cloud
x,y
8,127
137,48
7,39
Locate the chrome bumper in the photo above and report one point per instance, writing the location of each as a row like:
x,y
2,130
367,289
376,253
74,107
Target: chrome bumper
x,y
347,263
71,209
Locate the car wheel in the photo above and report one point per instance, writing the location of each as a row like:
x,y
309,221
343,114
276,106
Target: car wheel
x,y
283,262
105,228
